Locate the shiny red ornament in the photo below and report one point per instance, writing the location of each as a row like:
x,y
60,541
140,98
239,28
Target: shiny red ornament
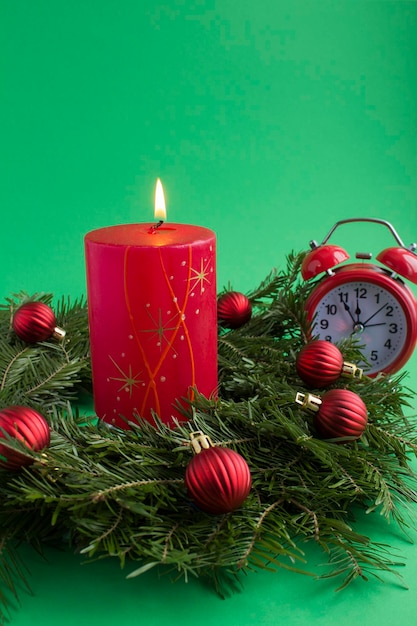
x,y
319,363
26,425
218,480
342,413
233,309
36,321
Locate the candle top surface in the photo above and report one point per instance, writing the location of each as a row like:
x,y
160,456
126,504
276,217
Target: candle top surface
x,y
168,234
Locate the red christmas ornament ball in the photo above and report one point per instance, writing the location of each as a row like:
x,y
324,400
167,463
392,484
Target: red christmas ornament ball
x,y
34,321
319,363
218,480
233,309
26,425
342,413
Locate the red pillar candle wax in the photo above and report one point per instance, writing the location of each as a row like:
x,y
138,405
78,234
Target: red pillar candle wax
x,y
153,318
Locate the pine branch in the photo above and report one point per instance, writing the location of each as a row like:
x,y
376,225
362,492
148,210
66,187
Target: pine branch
x,y
122,493
47,373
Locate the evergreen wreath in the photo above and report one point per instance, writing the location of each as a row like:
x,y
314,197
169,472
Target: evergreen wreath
x,y
111,492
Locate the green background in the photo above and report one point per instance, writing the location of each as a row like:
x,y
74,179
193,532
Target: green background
x,y
267,121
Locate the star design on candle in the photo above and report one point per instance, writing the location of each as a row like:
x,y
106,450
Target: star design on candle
x,y
129,381
201,276
160,329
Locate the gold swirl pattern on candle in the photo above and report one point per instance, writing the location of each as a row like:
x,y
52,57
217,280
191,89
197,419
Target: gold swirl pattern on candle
x,y
176,322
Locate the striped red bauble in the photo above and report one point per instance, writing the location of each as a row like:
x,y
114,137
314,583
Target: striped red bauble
x,y
218,480
26,425
234,309
340,414
35,321
320,363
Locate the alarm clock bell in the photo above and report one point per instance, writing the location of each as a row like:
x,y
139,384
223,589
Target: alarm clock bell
x,y
324,257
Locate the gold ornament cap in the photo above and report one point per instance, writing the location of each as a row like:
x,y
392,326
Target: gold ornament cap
x,y
351,370
59,333
200,441
308,401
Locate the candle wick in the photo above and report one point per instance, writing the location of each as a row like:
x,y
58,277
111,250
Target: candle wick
x,y
155,227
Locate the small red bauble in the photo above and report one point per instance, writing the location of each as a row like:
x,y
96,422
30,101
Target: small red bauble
x,y
233,309
26,425
342,414
218,480
36,321
319,363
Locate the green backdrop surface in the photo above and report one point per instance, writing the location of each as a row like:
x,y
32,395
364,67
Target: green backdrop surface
x,y
267,121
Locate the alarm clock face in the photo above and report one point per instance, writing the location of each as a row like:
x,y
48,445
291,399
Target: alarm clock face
x,y
378,311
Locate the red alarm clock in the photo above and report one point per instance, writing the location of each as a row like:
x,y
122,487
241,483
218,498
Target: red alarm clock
x,y
365,301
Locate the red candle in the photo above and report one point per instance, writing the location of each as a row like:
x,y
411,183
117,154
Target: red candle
x,y
152,307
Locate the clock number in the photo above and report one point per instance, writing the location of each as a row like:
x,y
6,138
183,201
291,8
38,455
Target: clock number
x,y
364,302
360,292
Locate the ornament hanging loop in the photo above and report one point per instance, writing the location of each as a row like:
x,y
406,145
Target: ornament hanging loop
x,y
200,441
308,401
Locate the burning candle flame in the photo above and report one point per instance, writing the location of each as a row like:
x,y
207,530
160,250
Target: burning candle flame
x,y
160,210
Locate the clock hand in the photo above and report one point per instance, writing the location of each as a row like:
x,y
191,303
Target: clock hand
x,y
379,324
347,308
376,313
357,311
